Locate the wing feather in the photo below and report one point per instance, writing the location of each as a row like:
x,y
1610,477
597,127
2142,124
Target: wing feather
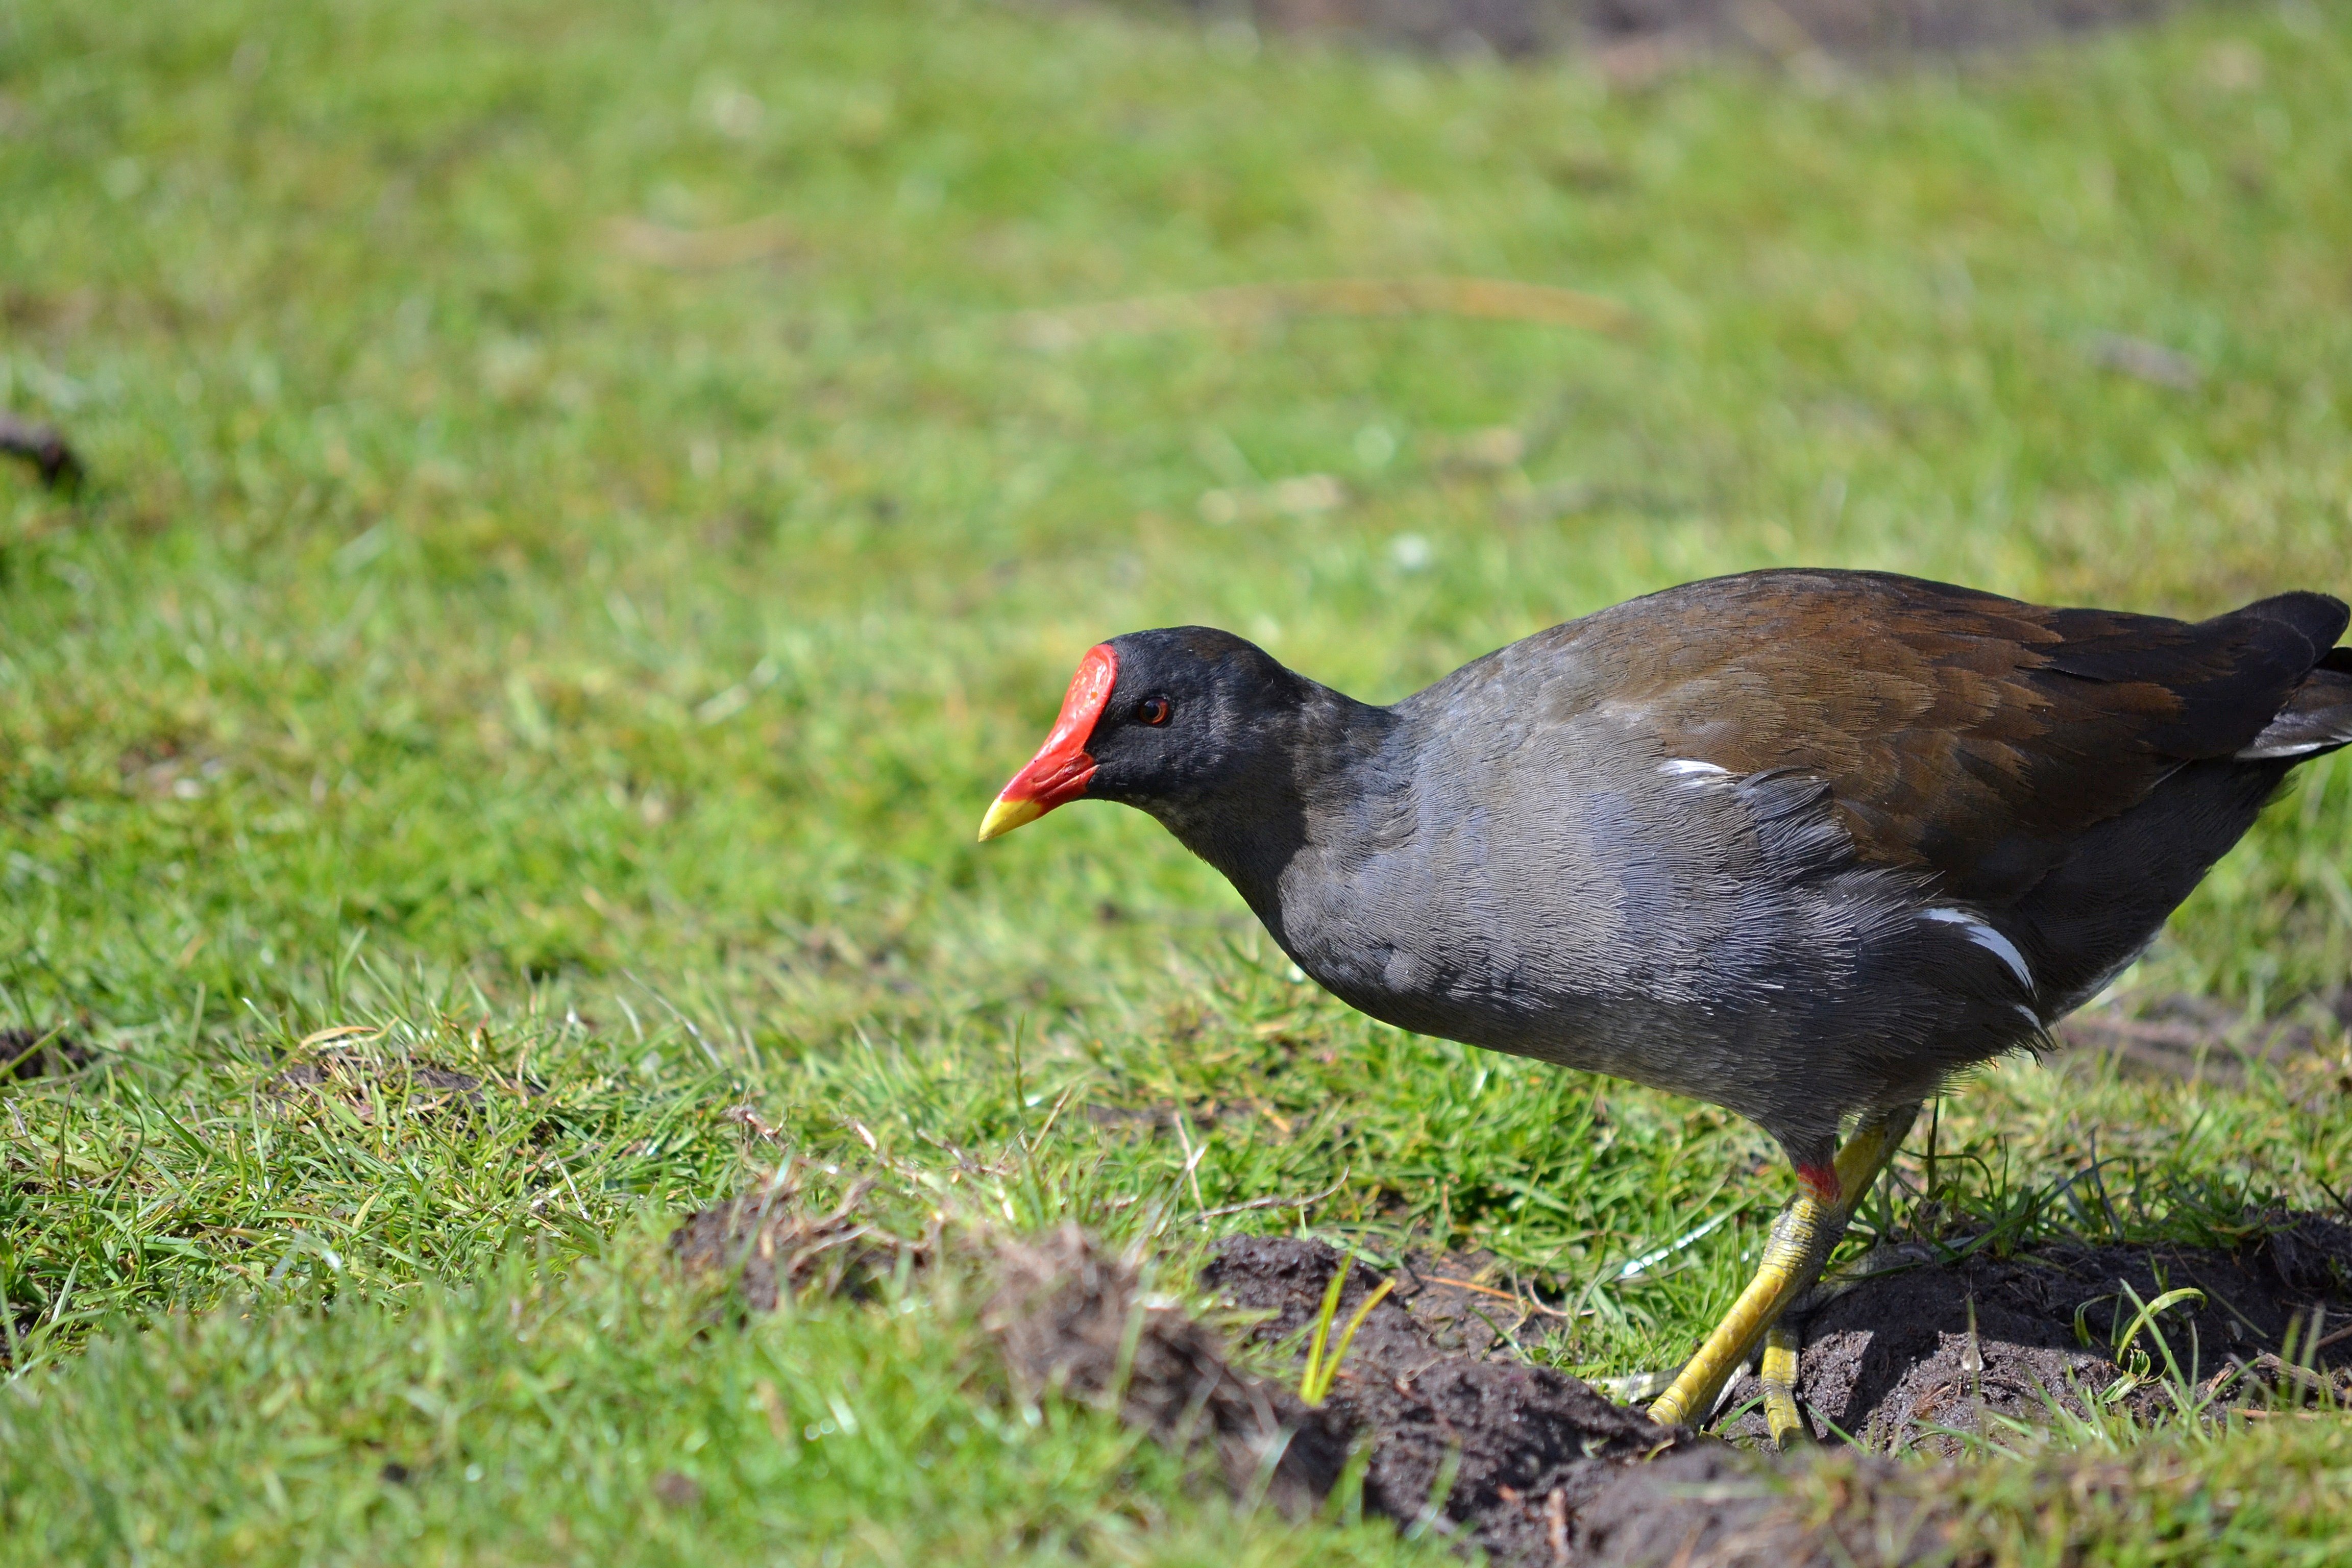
x,y
1960,733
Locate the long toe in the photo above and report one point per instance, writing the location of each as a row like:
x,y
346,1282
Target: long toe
x,y
1801,1238
1800,1244
1782,1342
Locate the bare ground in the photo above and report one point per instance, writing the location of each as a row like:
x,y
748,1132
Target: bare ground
x,y
2199,1039
1492,1452
363,1078
1922,1348
1537,1467
1464,1438
1781,28
28,1054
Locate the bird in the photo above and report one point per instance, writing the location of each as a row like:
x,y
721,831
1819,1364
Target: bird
x,y
1805,844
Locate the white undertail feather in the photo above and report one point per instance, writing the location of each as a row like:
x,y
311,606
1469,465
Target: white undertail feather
x,y
1976,929
1684,768
2258,754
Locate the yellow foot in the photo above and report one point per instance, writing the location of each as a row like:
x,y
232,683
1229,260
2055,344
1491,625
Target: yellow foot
x,y
1800,1239
1779,1375
1793,1255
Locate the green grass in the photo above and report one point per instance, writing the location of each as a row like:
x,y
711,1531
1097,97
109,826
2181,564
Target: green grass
x,y
591,672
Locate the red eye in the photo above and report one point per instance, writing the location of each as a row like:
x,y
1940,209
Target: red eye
x,y
1152,711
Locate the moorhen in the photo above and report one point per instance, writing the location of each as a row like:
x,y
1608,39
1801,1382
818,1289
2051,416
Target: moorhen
x,y
1803,844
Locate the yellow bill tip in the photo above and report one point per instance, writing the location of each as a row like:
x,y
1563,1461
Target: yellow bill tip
x,y
1005,815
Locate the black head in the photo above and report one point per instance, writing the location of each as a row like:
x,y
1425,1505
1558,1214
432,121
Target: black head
x,y
1166,721
1196,712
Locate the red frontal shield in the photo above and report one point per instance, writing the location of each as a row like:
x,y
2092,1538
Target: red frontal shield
x,y
1061,768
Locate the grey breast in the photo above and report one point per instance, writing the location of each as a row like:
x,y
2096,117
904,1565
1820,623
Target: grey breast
x,y
1552,884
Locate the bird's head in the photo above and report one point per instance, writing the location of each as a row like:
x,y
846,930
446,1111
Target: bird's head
x,y
1160,720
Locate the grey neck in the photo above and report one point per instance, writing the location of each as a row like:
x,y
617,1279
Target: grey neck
x,y
1328,777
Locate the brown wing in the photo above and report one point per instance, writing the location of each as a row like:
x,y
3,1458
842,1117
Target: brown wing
x,y
1962,733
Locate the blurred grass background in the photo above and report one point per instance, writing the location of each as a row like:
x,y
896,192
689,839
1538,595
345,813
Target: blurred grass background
x,y
586,509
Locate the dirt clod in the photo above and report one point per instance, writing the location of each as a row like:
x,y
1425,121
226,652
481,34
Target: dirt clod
x,y
363,1079
28,1054
1072,1320
1463,1438
2268,1377
1781,28
1916,1344
1496,1453
43,447
771,1244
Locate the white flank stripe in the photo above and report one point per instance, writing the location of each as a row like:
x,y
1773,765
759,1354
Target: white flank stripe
x,y
1985,937
1684,768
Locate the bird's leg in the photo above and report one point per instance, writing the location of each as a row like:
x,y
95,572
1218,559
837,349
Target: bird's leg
x,y
1778,1372
1801,1241
1793,1255
1859,1164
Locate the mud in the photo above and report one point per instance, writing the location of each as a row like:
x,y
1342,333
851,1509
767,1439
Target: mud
x,y
1638,33
2199,1039
41,445
1918,1349
771,1244
28,1054
1492,1453
363,1081
1536,1467
1461,1438
1072,1320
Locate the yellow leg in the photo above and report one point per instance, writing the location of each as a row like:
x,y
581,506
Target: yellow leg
x,y
1801,1237
1793,1255
1779,1375
1785,1340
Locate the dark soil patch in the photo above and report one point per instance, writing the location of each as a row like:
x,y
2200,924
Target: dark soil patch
x,y
1463,1438
41,445
1537,1467
1072,1320
1630,29
2199,1039
1919,1344
28,1054
1470,1303
363,1080
773,1244
1498,1454
1709,1505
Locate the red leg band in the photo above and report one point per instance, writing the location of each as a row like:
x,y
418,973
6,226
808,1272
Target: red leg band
x,y
1822,1182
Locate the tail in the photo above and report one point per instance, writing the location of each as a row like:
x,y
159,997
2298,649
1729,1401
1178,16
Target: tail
x,y
2316,717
